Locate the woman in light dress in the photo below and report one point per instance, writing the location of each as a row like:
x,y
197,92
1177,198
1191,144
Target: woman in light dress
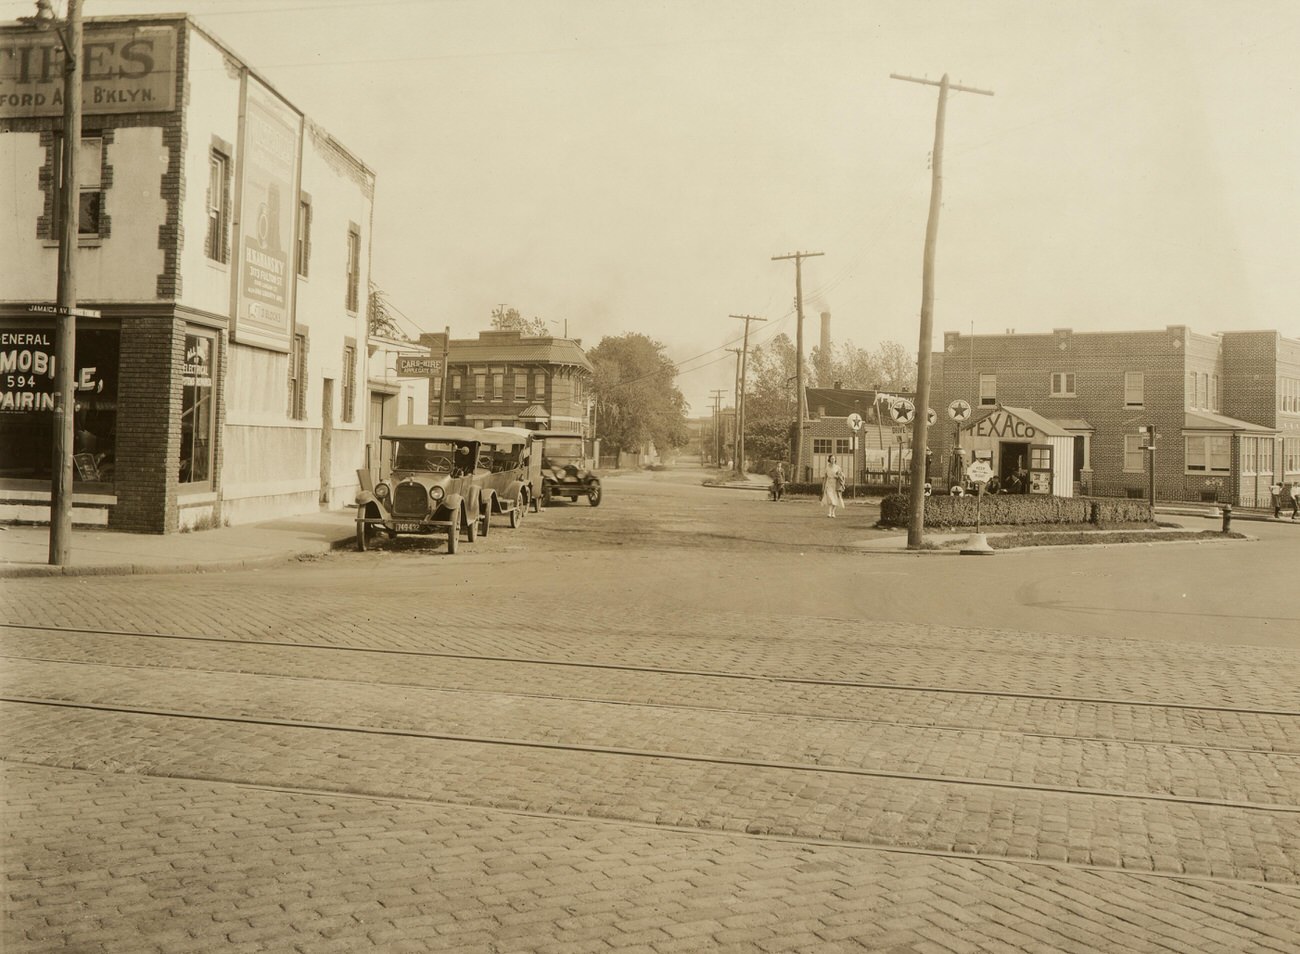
x,y
832,487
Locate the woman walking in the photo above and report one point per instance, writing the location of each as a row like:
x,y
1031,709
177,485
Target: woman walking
x,y
832,487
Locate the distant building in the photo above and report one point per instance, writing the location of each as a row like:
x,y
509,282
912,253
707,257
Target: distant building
x,y
1225,408
875,453
516,380
392,398
224,237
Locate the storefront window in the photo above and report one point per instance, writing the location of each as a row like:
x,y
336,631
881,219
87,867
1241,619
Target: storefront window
x,y
27,403
197,410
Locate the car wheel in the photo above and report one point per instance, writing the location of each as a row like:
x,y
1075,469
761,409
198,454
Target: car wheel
x,y
546,496
517,515
453,534
363,535
486,517
471,529
593,495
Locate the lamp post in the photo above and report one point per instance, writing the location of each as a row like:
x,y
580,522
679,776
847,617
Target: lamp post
x,y
65,319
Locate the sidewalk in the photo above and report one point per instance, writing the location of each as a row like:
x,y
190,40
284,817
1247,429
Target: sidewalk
x,y
24,550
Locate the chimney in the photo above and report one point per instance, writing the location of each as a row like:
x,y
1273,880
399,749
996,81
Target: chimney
x,y
826,333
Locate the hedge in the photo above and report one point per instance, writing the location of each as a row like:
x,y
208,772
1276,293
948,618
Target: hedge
x,y
857,491
1013,510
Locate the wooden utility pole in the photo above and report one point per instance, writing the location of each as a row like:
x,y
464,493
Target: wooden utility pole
x,y
65,348
916,525
716,397
801,410
735,414
740,400
442,390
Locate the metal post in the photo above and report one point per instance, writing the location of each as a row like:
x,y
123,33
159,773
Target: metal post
x,y
61,473
442,390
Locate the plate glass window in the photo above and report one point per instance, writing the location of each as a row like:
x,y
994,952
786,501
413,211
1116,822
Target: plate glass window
x,y
197,413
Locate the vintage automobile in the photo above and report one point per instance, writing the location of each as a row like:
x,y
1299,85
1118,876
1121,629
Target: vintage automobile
x,y
519,455
432,479
566,468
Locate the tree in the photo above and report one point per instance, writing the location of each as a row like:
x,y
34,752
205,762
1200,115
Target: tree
x,y
770,399
890,368
509,319
636,400
381,319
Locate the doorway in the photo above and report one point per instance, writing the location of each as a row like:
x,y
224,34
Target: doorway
x,y
1013,459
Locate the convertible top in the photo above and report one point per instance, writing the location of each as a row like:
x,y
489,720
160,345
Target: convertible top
x,y
545,434
516,435
432,432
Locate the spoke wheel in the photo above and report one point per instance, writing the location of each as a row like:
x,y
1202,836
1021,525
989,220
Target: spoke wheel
x,y
517,515
471,529
363,535
453,534
593,495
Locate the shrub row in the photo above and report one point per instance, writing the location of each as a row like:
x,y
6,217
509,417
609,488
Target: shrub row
x,y
860,490
1015,510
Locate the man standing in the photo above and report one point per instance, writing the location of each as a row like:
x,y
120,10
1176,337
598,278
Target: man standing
x,y
1291,495
1276,491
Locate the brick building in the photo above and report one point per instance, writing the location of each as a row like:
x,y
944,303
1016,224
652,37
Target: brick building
x,y
224,238
1225,407
876,453
505,378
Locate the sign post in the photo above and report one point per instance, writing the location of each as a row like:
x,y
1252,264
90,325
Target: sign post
x,y
980,472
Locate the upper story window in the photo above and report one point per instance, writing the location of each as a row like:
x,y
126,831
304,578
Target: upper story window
x,y
521,386
217,245
1214,392
354,268
988,390
349,380
1062,384
1134,389
539,386
302,254
455,387
480,387
498,385
90,201
298,378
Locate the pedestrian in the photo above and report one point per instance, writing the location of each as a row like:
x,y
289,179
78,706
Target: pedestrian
x,y
1291,495
832,487
1276,491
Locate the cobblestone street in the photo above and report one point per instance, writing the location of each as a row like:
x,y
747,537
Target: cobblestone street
x,y
688,720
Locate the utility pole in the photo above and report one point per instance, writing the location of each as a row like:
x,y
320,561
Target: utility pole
x,y
65,348
735,414
740,400
442,389
916,525
716,397
801,410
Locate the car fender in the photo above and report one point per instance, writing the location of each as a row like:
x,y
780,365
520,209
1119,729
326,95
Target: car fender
x,y
371,509
452,502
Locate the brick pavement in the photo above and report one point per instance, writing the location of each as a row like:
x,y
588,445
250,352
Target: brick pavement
x,y
320,873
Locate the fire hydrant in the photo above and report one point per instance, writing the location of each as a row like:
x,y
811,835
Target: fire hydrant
x,y
1227,517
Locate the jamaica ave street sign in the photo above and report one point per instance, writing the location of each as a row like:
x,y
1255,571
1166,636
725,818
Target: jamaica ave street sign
x,y
418,366
59,310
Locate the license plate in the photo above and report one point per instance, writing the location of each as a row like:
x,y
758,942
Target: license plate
x,y
408,527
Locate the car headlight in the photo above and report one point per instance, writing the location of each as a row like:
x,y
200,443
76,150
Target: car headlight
x,y
436,493
382,491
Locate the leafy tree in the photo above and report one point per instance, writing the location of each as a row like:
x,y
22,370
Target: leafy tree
x,y
381,319
636,399
509,319
770,399
890,368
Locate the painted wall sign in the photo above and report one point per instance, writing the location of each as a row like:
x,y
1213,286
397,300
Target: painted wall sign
x,y
268,203
418,366
125,70
1001,424
27,365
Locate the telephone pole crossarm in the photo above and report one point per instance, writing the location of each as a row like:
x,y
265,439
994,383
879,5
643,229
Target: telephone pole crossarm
x,y
930,82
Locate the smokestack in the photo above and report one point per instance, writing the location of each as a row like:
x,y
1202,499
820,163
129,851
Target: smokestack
x,y
826,334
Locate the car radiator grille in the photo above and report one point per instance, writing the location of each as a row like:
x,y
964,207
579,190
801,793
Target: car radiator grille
x,y
410,500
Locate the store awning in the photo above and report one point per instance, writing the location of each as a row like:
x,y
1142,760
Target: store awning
x,y
1205,421
534,412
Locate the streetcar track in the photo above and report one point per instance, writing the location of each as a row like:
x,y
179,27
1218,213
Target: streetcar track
x,y
654,755
664,670
639,824
672,706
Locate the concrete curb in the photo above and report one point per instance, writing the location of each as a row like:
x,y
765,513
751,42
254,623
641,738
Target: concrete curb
x,y
31,571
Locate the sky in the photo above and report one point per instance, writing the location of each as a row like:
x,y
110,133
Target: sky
x,y
619,166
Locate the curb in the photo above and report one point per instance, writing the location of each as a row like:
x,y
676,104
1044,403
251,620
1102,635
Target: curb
x,y
21,571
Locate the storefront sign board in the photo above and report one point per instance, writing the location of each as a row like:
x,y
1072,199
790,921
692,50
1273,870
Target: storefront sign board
x,y
418,366
125,70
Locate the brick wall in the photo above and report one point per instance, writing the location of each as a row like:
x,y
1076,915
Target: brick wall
x,y
148,424
1250,376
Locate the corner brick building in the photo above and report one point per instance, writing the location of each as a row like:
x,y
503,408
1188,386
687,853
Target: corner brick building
x,y
224,238
1225,407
